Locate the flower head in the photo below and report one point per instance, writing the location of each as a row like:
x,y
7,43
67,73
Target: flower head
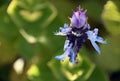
x,y
79,18
76,35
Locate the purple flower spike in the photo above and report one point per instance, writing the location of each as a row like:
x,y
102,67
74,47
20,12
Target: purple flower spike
x,y
79,18
76,35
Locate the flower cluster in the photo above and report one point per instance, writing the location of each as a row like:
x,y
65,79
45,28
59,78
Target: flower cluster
x,y
76,35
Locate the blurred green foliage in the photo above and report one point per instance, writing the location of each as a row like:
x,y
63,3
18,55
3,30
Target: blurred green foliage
x,y
28,45
111,20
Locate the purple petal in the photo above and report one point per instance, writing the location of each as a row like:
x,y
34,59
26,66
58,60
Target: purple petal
x,y
63,30
100,40
66,44
74,20
86,26
72,56
96,46
79,18
60,33
82,20
65,55
66,29
92,36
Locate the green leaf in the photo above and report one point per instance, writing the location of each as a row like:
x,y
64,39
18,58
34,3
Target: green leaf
x,y
111,16
36,23
110,56
109,59
31,21
8,36
8,30
85,70
39,30
98,75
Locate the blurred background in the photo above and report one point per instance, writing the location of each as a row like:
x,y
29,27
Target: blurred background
x,y
28,45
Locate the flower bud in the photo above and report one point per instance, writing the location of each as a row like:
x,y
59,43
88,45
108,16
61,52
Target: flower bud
x,y
79,18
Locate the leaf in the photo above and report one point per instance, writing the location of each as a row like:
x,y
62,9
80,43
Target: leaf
x,y
8,30
8,36
85,70
110,56
111,16
110,51
31,20
98,75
